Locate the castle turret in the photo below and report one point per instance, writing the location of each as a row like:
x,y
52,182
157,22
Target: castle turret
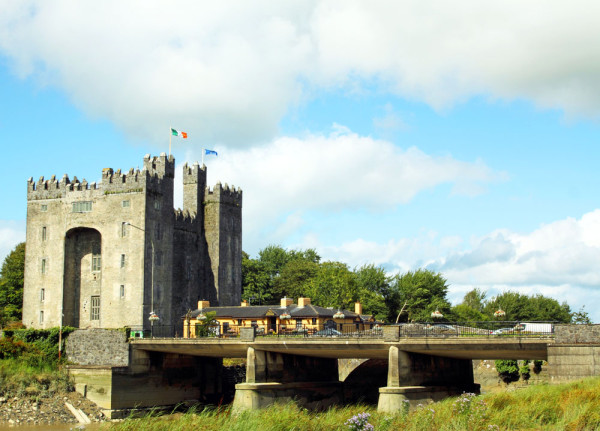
x,y
194,183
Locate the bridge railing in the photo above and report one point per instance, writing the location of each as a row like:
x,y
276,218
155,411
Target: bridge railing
x,y
495,329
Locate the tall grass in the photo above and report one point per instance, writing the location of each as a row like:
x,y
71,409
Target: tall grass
x,y
574,406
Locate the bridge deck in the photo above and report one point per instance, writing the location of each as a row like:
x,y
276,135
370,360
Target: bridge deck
x,y
463,348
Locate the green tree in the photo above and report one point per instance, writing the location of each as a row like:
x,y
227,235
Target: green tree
x,y
256,282
373,285
11,285
523,307
423,291
334,286
274,258
464,313
475,299
295,278
581,317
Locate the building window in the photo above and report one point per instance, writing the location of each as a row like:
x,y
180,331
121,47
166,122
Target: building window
x,y
125,204
44,233
314,320
158,260
123,229
122,291
42,294
239,322
156,204
96,263
158,231
95,310
122,261
41,317
44,265
82,207
44,208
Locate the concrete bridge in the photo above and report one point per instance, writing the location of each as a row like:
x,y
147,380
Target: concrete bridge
x,y
316,372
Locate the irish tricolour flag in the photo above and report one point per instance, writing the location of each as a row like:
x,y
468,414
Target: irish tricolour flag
x,y
178,133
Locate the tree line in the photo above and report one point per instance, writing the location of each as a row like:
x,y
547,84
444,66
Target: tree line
x,y
412,296
277,272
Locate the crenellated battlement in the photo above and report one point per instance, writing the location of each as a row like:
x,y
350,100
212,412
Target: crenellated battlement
x,y
194,174
161,166
185,220
224,194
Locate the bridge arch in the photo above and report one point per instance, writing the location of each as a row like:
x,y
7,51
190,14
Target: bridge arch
x,y
362,379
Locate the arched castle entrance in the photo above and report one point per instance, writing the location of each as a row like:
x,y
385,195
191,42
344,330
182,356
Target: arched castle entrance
x,y
82,285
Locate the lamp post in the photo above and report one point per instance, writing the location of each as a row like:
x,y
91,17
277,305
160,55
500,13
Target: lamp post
x,y
153,316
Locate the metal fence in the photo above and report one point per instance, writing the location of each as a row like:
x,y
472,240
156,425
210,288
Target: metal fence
x,y
493,329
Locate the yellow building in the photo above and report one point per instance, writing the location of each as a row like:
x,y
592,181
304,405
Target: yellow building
x,y
302,318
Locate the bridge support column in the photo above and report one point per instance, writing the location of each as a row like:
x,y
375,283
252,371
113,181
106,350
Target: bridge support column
x,y
415,378
280,378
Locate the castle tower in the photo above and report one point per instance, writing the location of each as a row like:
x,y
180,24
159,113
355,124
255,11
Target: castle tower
x,y
223,232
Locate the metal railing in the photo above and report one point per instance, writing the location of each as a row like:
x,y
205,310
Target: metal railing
x,y
490,329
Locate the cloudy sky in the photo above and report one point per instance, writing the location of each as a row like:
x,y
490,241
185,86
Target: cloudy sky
x,y
457,136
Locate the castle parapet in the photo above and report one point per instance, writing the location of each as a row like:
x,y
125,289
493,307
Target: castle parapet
x,y
224,194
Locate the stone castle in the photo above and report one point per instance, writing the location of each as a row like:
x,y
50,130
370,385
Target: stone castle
x,y
112,254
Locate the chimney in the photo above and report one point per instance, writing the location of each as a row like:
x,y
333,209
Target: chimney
x,y
358,308
203,304
286,301
244,303
303,302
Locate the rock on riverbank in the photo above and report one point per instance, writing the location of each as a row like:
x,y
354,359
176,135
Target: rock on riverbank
x,y
46,410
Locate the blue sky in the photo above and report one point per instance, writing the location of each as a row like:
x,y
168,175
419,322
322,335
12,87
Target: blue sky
x,y
465,142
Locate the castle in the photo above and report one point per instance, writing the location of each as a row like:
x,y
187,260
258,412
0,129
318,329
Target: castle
x,y
113,254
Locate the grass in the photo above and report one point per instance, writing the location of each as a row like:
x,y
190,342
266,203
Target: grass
x,y
18,378
573,406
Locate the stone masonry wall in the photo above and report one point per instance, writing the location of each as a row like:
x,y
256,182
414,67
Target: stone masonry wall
x,y
98,347
577,334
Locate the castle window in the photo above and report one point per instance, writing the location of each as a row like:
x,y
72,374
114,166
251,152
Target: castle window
x,y
157,231
125,204
122,291
41,317
123,229
122,261
82,207
156,204
158,260
44,208
44,266
95,310
44,233
96,263
42,294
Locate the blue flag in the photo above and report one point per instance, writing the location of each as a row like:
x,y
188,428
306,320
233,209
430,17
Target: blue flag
x,y
207,152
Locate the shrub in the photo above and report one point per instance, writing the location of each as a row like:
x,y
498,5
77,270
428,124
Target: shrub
x,y
508,370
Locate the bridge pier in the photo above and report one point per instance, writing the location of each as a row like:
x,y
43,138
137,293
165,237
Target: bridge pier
x,y
417,379
280,378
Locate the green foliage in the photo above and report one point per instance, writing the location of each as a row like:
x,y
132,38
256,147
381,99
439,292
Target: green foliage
x,y
334,286
255,282
581,317
523,307
508,370
295,278
11,285
524,370
373,286
203,327
464,313
424,291
475,299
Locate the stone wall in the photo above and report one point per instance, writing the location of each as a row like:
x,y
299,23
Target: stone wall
x,y
577,334
98,347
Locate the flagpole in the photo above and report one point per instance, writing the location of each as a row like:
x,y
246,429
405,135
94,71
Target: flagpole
x,y
202,156
170,134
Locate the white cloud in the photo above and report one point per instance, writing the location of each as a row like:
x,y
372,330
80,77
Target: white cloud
x,y
559,260
330,174
11,233
228,71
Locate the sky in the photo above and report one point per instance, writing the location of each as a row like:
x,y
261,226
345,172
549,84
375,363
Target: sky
x,y
460,137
